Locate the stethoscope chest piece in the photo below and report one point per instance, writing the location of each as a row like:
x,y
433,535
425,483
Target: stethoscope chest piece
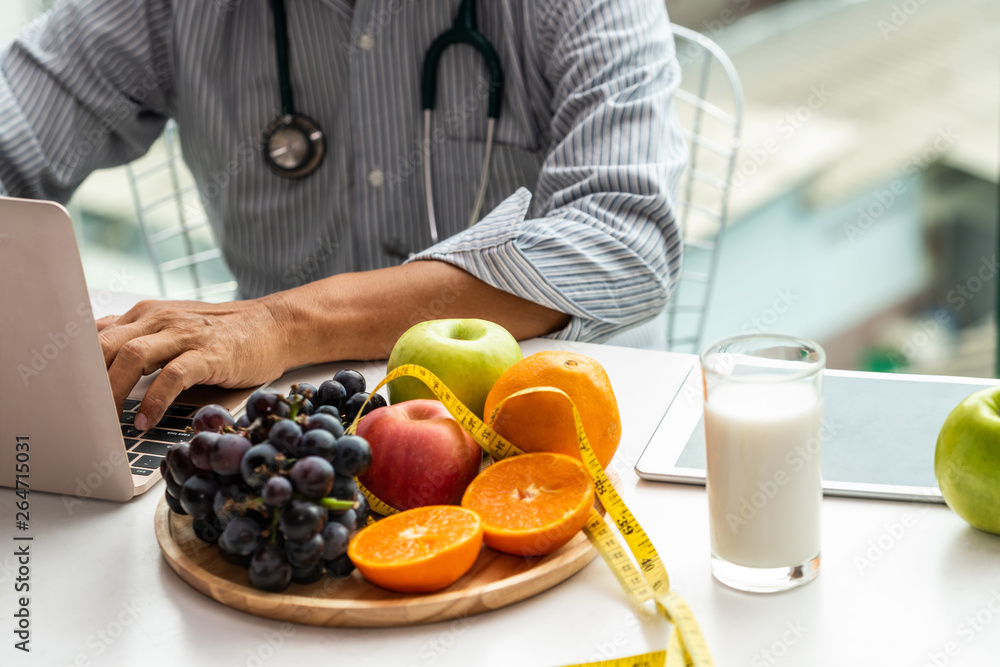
x,y
294,145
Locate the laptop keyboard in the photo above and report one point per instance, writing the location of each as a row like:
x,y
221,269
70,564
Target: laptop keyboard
x,y
147,449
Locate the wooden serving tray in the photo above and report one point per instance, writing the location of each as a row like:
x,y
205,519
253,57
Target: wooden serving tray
x,y
496,580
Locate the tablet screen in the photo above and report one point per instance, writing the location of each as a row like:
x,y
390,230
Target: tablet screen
x,y
878,429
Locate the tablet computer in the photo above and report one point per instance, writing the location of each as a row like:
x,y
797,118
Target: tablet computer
x,y
880,432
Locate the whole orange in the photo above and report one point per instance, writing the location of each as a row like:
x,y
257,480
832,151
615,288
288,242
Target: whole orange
x,y
543,422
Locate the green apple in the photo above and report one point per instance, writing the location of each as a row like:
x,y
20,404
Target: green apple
x,y
967,459
467,355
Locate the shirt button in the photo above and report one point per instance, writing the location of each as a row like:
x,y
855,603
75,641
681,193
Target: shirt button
x,y
376,178
366,41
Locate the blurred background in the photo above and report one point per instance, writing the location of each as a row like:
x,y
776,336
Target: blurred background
x,y
864,207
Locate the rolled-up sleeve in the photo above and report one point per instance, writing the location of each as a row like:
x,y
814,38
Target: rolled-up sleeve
x,y
599,240
86,86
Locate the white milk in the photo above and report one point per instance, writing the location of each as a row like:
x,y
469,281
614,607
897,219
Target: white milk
x,y
763,445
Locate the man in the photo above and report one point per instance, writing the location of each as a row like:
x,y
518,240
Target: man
x,y
586,124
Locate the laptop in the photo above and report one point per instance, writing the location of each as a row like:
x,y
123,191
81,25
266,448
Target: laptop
x,y
879,430
59,430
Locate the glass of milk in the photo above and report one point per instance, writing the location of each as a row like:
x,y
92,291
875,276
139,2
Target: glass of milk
x,y
763,441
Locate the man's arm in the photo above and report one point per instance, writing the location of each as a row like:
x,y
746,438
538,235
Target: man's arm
x,y
348,316
599,254
85,87
601,241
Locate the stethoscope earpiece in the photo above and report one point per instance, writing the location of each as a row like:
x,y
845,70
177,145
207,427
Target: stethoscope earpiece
x,y
294,146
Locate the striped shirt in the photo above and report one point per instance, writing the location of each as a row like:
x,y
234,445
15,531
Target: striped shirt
x,y
587,125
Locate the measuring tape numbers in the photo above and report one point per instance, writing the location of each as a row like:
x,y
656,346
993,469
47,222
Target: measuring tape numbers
x,y
643,580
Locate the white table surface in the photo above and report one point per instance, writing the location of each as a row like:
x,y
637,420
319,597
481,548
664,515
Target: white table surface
x,y
101,594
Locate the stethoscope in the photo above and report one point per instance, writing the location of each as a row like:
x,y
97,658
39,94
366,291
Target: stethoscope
x,y
294,143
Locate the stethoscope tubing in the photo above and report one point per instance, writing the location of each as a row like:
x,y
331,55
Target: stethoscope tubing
x,y
462,31
281,42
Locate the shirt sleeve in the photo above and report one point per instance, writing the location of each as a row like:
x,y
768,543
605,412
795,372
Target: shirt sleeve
x,y
601,241
85,86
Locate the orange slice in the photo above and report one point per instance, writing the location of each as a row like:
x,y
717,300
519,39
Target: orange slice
x,y
420,550
531,504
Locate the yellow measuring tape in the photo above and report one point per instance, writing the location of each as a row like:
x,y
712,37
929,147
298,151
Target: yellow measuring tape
x,y
648,581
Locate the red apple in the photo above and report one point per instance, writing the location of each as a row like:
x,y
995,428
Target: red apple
x,y
420,455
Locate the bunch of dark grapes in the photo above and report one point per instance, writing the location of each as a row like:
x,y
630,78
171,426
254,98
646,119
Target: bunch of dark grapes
x,y
276,489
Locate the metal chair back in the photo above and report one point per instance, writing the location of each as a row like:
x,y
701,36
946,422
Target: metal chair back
x,y
186,259
188,263
710,105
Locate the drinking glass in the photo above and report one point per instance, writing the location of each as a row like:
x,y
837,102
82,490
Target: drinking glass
x,y
764,441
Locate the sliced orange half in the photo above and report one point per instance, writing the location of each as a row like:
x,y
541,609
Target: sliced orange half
x,y
419,550
531,504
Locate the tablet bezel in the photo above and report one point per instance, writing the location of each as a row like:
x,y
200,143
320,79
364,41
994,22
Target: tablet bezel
x,y
656,463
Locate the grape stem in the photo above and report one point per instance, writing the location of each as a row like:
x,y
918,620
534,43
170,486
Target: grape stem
x,y
329,503
335,504
293,405
245,432
273,537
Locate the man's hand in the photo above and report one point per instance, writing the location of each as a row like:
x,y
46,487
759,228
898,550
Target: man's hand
x,y
237,344
246,343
